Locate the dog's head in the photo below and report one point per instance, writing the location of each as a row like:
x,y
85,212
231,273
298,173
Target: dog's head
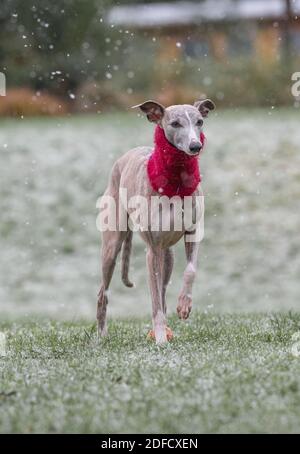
x,y
182,124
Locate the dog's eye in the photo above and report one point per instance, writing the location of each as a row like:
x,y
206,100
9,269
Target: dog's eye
x,y
199,122
175,124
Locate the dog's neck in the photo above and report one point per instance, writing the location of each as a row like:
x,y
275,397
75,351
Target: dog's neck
x,y
171,171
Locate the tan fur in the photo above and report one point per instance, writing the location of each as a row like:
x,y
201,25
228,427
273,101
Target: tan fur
x,y
130,172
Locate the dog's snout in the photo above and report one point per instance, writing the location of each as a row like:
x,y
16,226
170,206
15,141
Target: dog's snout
x,y
195,147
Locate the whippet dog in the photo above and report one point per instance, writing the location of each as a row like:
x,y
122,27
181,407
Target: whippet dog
x,y
181,125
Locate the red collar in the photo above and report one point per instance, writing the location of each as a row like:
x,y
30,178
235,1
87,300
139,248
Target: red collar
x,y
171,171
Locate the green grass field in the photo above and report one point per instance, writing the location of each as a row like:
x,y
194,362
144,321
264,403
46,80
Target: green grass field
x,y
230,367
221,374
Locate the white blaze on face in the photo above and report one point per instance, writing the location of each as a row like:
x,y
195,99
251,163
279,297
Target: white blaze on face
x,y
192,133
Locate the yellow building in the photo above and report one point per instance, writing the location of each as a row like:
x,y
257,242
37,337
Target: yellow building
x,y
260,29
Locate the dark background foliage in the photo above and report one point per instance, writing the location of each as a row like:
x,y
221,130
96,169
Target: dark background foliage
x,y
68,46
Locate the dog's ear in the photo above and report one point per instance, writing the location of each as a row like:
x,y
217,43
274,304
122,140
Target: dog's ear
x,y
205,106
153,110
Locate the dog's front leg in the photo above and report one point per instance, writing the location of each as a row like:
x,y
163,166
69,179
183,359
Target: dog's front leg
x,y
167,267
185,298
154,262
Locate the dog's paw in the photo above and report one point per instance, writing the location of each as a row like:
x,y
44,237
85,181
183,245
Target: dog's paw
x,y
184,307
169,334
102,333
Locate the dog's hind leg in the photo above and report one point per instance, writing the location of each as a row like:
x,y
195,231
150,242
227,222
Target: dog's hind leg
x,y
111,245
126,250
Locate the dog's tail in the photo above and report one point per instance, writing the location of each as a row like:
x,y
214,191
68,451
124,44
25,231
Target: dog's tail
x,y
126,250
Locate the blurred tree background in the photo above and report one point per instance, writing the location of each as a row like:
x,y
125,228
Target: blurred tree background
x,y
52,44
71,50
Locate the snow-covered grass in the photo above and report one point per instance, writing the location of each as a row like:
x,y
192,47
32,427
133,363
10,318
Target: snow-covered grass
x,y
222,373
53,170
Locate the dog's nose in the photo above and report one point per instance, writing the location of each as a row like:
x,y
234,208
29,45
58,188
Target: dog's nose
x,y
195,147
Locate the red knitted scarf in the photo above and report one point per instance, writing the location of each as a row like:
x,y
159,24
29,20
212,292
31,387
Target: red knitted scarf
x,y
171,171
